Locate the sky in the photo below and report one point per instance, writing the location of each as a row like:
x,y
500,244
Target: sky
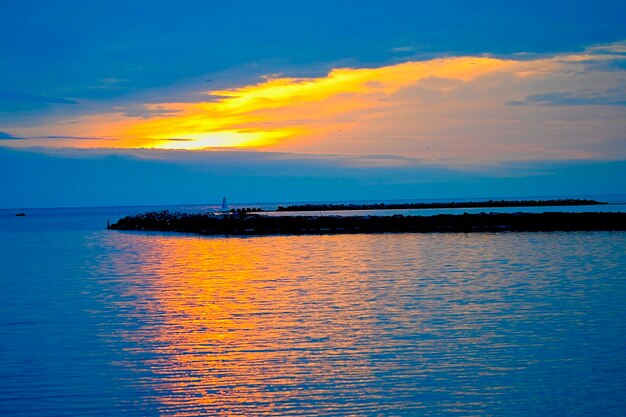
x,y
164,102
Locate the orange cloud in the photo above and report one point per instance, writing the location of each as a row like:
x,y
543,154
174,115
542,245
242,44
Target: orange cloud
x,y
283,109
449,109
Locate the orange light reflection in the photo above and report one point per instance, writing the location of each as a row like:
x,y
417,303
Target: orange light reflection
x,y
237,316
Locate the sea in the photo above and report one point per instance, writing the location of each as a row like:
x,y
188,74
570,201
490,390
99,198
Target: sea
x,y
97,322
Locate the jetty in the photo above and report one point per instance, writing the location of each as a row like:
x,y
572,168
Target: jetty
x,y
246,224
441,205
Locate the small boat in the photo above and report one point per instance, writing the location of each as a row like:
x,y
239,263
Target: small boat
x,y
224,208
21,214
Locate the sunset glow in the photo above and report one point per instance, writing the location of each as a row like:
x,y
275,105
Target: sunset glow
x,y
283,109
453,109
393,99
331,209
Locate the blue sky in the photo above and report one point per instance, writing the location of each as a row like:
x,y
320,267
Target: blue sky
x,y
100,178
64,50
92,65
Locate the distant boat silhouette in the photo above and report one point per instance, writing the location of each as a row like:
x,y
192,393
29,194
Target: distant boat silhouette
x,y
224,208
21,214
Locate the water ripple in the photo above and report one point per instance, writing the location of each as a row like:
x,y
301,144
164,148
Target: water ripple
x,y
385,325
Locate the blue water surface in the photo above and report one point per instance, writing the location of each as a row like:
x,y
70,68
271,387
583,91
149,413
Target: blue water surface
x,y
104,323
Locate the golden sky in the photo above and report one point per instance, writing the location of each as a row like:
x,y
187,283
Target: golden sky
x,y
477,108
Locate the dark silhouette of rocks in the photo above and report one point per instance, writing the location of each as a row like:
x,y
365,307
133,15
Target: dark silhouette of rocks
x,y
245,210
467,204
253,224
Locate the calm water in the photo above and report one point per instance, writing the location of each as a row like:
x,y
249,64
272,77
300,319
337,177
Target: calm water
x,y
105,323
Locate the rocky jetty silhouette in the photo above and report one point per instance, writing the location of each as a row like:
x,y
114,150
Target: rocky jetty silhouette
x,y
246,224
441,205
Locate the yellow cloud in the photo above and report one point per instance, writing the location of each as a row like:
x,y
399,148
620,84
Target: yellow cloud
x,y
447,110
284,109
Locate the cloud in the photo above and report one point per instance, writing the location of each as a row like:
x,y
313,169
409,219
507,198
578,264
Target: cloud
x,y
232,159
70,137
606,98
8,136
457,110
402,49
111,83
615,48
279,110
17,96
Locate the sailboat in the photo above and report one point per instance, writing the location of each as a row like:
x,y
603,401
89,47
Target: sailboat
x,y
224,208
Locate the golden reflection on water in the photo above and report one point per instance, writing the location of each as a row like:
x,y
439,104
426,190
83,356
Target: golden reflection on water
x,y
361,324
241,323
